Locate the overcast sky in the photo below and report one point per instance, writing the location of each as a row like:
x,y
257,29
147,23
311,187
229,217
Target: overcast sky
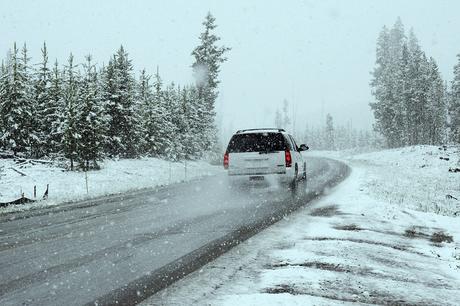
x,y
316,54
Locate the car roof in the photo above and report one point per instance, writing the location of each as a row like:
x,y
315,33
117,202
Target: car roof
x,y
261,130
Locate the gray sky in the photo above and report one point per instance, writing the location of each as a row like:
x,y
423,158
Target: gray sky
x,y
316,54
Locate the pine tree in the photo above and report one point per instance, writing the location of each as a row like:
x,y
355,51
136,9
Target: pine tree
x,y
436,113
69,125
31,126
417,104
55,112
278,119
163,125
329,133
4,99
189,133
17,104
454,108
196,124
181,123
147,113
171,108
47,111
119,96
208,58
286,119
90,124
383,84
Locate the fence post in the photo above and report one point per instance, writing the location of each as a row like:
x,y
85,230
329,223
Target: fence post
x,y
170,172
185,169
86,180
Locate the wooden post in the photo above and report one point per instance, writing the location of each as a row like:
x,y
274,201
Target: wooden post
x,y
185,169
170,172
35,191
86,179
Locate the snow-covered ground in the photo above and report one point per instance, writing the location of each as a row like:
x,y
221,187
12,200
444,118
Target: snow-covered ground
x,y
387,235
115,176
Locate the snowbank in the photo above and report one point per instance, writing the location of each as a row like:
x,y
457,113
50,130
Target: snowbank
x,y
115,176
414,177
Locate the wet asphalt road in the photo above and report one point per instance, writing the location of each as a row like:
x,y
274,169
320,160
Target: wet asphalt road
x,y
125,248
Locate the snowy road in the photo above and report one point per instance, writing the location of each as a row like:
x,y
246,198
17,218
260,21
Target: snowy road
x,y
124,248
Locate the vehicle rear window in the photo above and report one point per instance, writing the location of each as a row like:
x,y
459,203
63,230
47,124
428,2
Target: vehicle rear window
x,y
256,142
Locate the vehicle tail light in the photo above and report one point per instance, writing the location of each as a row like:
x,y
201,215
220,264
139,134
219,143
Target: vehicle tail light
x,y
226,160
288,158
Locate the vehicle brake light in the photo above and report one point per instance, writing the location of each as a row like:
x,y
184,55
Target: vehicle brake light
x,y
288,158
226,160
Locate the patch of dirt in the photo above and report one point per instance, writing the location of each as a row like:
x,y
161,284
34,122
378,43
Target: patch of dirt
x,y
439,237
337,291
359,271
364,241
282,288
314,265
348,227
416,232
326,211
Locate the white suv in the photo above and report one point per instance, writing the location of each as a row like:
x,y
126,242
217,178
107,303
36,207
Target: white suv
x,y
257,154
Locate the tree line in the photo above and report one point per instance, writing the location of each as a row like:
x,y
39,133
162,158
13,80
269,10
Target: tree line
x,y
341,137
413,105
86,113
328,136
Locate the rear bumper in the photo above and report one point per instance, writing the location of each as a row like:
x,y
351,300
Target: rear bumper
x,y
284,176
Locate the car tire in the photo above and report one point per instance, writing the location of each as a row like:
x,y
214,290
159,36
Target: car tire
x,y
295,181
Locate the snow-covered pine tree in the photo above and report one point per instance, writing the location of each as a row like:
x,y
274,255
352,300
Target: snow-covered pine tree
x,y
329,132
436,112
70,112
418,86
187,124
17,108
119,95
4,99
383,89
111,144
47,110
180,122
454,108
160,126
90,124
278,119
196,123
55,111
208,58
286,119
29,96
172,112
396,116
402,106
147,114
